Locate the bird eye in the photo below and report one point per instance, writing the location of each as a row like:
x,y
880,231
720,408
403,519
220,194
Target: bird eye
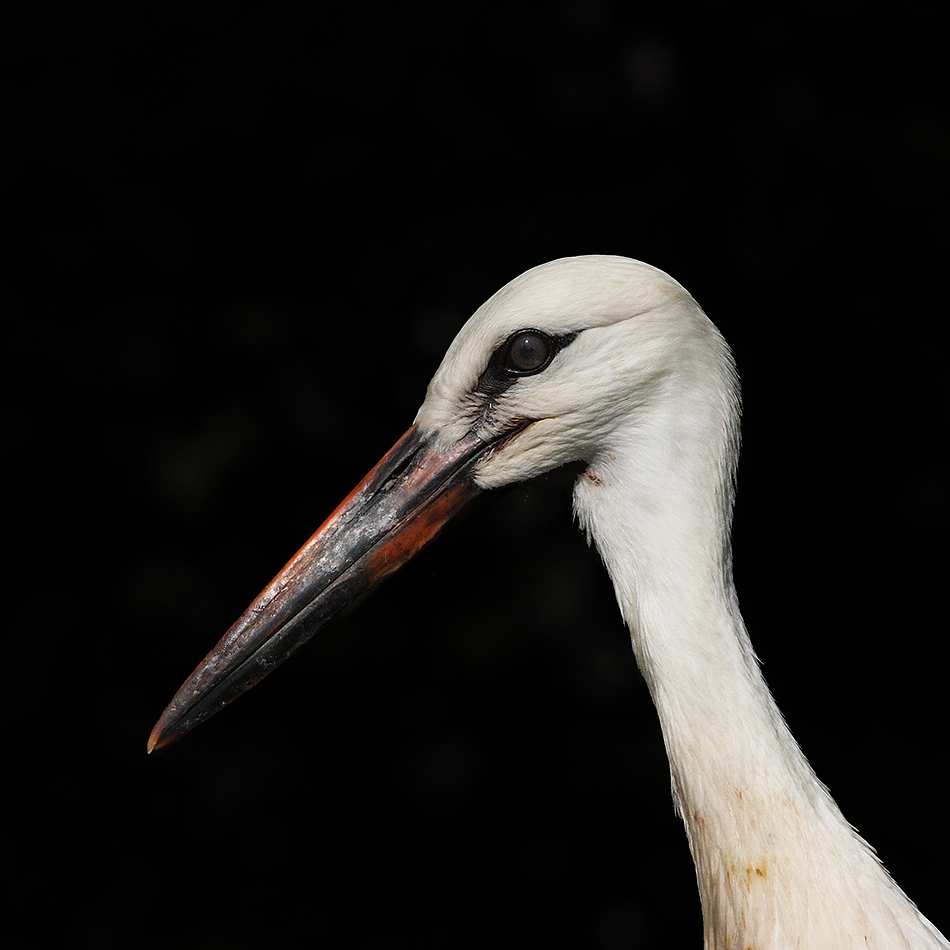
x,y
528,351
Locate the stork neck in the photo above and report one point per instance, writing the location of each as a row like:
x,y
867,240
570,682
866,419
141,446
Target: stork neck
x,y
666,552
768,841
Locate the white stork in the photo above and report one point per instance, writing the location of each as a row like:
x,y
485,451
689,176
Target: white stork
x,y
610,362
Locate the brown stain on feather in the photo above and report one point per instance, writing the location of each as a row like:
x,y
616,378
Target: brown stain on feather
x,y
751,872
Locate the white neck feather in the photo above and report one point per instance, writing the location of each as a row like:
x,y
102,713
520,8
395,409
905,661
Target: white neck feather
x,y
777,865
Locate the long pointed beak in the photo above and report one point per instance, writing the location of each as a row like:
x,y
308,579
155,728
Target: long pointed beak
x,y
404,502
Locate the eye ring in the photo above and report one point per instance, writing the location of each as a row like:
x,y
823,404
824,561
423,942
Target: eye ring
x,y
527,352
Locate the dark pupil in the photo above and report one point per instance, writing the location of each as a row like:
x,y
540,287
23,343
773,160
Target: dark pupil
x,y
527,352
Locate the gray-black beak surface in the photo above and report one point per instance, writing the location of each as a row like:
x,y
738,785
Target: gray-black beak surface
x,y
404,502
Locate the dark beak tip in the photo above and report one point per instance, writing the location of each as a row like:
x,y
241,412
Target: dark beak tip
x,y
166,731
156,741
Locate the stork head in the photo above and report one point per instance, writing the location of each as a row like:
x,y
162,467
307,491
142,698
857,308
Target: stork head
x,y
568,361
572,361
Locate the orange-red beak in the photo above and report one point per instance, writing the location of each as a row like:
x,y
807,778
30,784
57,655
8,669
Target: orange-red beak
x,y
408,497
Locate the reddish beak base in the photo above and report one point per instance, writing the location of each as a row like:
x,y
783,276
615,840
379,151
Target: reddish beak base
x,y
414,491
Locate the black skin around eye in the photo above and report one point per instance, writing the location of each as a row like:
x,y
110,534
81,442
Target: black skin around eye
x,y
534,348
505,369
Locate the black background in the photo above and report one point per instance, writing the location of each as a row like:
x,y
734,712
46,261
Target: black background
x,y
249,235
